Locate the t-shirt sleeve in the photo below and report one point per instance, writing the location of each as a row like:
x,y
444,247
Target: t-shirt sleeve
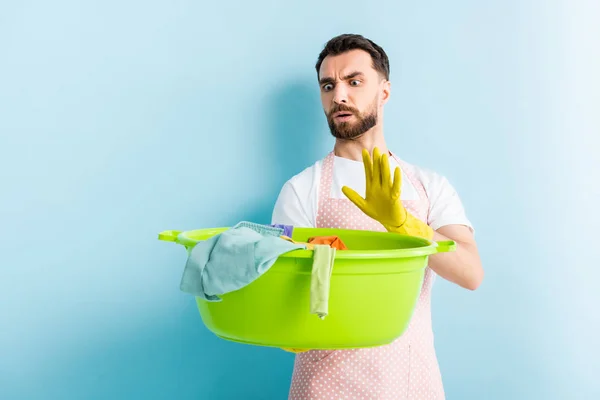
x,y
289,210
445,205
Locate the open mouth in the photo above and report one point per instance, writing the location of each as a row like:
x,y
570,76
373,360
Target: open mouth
x,y
343,115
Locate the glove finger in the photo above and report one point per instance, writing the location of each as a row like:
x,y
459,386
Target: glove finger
x,y
386,181
368,169
397,184
376,167
355,198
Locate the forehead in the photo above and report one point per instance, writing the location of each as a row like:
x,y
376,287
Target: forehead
x,y
345,63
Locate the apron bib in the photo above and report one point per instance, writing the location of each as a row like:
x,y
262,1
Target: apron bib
x,y
405,369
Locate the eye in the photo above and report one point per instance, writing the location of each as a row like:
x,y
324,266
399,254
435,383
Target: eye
x,y
327,87
354,82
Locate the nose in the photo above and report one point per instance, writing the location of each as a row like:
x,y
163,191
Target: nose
x,y
340,94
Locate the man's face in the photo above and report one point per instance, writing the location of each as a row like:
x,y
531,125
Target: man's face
x,y
352,93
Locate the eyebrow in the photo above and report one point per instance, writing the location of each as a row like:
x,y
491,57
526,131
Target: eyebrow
x,y
351,75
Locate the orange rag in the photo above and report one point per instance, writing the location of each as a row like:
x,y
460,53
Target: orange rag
x,y
333,241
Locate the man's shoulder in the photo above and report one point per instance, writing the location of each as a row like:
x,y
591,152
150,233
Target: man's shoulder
x,y
436,184
304,179
296,203
445,205
425,175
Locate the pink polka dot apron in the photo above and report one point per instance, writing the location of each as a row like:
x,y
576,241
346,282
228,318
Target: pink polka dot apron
x,y
404,369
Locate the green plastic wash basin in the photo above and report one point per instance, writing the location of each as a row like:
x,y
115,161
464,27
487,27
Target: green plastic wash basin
x,y
373,291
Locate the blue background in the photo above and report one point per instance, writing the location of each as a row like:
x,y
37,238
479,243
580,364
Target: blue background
x,y
122,119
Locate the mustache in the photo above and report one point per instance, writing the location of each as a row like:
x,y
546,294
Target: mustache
x,y
342,107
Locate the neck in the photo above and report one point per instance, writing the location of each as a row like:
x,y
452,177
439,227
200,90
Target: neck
x,y
352,149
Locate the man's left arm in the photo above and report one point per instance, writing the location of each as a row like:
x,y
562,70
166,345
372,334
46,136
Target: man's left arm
x,y
446,218
462,266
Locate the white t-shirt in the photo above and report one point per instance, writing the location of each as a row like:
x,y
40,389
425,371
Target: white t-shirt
x,y
297,203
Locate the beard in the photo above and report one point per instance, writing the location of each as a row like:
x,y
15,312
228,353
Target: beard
x,y
352,130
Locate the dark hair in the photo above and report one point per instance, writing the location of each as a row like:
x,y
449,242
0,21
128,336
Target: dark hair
x,y
346,42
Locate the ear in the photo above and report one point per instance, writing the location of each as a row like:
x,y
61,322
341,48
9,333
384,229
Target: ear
x,y
386,87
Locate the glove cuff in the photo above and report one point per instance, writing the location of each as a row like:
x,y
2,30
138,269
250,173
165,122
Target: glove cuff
x,y
413,226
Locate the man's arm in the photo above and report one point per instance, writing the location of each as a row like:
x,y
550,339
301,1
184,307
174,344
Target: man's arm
x,y
462,266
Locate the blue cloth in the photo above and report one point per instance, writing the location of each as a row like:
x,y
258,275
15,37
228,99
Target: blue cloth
x,y
233,259
287,229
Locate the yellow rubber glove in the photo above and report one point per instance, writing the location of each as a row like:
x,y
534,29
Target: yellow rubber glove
x,y
293,350
382,198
